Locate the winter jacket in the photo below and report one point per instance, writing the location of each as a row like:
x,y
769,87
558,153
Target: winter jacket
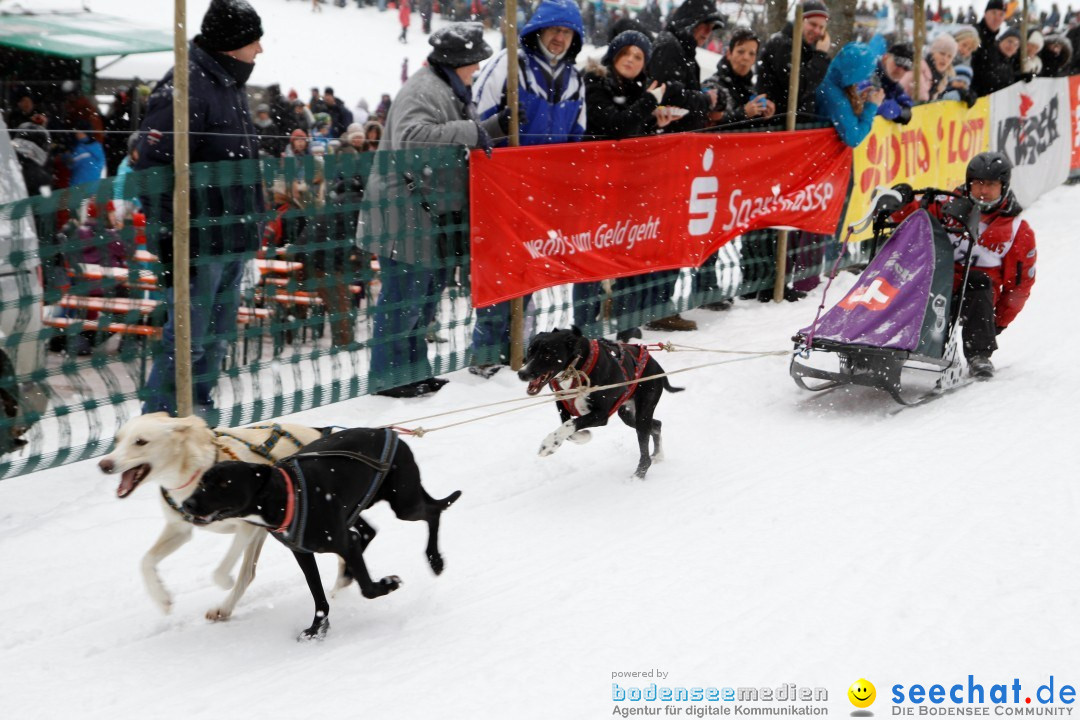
x,y
852,65
425,114
992,70
1056,64
86,160
896,101
221,129
618,108
1005,252
553,96
774,73
931,81
674,60
738,90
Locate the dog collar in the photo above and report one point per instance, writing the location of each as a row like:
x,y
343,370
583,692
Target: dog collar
x,y
290,502
194,477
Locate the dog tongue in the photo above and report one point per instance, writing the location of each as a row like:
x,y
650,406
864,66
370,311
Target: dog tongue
x,y
127,482
536,385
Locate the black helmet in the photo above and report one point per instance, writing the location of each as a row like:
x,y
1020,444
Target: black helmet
x,y
989,166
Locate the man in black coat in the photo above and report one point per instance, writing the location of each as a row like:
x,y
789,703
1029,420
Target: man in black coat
x,y
221,59
774,68
990,68
674,60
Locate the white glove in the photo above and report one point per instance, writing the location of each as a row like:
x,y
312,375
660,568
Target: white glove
x,y
658,93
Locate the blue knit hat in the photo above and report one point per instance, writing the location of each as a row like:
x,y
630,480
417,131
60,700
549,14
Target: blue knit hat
x,y
625,39
964,74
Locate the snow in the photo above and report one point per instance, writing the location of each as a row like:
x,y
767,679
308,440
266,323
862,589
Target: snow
x,y
786,538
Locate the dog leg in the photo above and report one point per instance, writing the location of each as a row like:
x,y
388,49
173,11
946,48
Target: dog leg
x,y
252,538
173,536
368,587
366,533
223,574
434,510
658,453
580,437
644,432
321,623
556,438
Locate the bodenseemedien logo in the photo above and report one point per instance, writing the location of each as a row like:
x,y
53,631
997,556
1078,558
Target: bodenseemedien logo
x,y
862,695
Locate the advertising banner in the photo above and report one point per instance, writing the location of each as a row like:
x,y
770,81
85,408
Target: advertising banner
x,y
932,150
555,214
1030,124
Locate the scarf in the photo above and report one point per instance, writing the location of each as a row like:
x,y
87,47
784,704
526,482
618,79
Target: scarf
x,y
463,93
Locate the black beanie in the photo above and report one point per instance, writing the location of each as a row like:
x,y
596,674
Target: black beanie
x,y
459,44
229,25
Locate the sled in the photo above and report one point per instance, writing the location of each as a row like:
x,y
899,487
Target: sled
x,y
898,317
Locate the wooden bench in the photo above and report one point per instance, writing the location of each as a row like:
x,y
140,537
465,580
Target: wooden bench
x,y
144,279
112,306
111,327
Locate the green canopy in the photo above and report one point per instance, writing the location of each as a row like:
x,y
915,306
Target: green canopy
x,y
80,35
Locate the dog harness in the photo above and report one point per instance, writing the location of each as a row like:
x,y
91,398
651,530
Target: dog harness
x,y
266,448
293,526
629,358
263,450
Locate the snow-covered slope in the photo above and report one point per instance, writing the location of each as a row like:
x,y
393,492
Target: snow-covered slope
x,y
785,539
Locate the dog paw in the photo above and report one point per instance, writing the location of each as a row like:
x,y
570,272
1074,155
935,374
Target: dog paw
x,y
581,437
316,632
164,605
437,564
223,580
391,583
639,474
218,614
550,445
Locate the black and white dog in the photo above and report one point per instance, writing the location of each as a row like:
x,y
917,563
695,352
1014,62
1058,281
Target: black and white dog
x,y
560,356
311,502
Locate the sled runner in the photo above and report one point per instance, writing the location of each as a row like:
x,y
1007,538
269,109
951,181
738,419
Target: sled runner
x,y
899,314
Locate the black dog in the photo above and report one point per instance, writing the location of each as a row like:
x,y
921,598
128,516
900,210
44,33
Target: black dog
x,y
311,501
605,363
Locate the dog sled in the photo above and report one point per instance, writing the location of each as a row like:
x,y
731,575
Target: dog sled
x,y
898,319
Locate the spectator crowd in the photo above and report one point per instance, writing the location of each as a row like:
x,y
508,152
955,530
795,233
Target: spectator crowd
x,y
644,79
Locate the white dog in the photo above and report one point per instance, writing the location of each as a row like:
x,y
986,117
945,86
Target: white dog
x,y
174,453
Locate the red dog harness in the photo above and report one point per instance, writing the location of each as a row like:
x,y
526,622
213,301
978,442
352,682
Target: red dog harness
x,y
631,361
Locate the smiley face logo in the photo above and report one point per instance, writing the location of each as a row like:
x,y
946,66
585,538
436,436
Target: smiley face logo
x,y
862,693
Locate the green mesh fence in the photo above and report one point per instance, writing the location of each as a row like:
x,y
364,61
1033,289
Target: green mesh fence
x,y
84,293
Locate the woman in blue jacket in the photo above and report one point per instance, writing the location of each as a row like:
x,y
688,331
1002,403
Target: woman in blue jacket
x,y
846,96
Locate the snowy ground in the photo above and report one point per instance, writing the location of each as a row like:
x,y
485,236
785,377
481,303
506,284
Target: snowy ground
x,y
786,539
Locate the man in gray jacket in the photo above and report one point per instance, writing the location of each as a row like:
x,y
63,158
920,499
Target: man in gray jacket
x,y
415,201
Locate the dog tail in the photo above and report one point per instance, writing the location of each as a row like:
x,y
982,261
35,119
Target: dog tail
x,y
448,500
669,387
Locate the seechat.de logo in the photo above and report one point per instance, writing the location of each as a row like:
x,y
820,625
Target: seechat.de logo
x,y
862,695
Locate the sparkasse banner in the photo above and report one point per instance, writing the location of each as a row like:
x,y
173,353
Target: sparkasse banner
x,y
548,215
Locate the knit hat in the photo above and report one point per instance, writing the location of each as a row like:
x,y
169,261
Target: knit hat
x,y
995,5
814,8
229,25
964,74
963,32
944,43
1008,33
1035,38
624,40
903,55
353,130
459,44
298,133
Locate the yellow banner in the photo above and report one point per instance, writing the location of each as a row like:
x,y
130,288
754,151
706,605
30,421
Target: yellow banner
x,y
932,150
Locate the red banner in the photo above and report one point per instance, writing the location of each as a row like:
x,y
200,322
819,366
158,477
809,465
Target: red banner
x,y
1074,106
544,216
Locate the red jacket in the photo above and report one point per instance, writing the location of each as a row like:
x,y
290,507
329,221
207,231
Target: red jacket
x,y
1005,252
403,12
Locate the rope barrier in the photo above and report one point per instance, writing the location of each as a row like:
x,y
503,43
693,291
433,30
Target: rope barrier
x,y
584,390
